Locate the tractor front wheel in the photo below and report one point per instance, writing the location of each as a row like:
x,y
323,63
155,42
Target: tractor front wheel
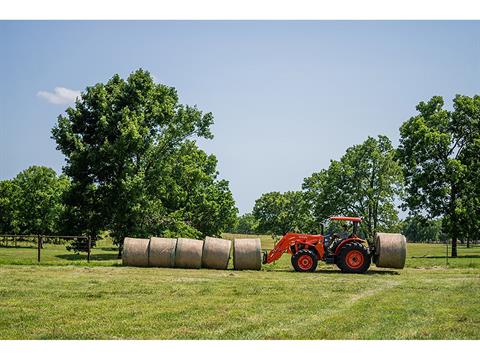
x,y
304,261
354,258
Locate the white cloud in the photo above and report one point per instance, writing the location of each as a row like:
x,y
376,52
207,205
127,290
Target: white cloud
x,y
60,95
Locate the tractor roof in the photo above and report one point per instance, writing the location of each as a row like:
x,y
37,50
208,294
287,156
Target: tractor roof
x,y
346,218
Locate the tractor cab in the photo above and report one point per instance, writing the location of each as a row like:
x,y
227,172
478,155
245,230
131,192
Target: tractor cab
x,y
334,232
354,220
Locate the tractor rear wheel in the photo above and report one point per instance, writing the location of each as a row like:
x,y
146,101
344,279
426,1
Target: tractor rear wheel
x,y
354,258
304,261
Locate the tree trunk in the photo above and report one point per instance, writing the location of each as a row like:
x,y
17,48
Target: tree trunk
x,y
468,243
369,222
453,219
120,250
454,235
454,247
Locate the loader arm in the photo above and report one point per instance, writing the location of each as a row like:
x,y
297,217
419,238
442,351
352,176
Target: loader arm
x,y
293,241
278,250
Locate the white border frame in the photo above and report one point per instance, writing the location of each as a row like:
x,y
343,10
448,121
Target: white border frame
x,y
240,9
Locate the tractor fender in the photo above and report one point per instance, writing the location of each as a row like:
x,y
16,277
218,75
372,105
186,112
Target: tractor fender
x,y
346,241
304,247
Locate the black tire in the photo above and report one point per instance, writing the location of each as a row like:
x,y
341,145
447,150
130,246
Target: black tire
x,y
350,258
304,261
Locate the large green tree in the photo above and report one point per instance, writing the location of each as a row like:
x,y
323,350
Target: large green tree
x,y
194,201
439,153
125,148
364,182
8,221
31,203
278,213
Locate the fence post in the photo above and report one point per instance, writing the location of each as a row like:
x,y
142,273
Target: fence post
x,y
39,247
89,247
446,254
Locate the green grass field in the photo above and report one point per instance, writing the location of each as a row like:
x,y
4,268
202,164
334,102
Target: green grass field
x,y
67,298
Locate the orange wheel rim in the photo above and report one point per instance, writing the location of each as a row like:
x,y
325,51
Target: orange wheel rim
x,y
305,262
354,259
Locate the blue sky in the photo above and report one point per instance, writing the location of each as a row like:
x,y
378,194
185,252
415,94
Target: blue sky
x,y
287,96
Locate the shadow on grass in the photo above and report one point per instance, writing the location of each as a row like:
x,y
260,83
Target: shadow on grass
x,y
336,272
443,257
93,257
108,248
18,247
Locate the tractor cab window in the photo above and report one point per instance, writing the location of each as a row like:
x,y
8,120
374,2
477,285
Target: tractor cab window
x,y
344,233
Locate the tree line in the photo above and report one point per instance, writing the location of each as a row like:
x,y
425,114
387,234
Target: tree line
x,y
133,168
433,174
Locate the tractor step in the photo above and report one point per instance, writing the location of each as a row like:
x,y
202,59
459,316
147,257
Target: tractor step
x,y
330,260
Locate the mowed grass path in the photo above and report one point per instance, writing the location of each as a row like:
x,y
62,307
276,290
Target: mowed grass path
x,y
423,301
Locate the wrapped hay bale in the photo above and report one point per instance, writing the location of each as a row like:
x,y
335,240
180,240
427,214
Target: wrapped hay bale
x,y
188,253
162,252
135,252
216,253
390,250
247,254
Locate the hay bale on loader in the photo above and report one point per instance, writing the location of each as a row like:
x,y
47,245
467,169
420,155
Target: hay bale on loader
x,y
247,254
390,250
162,252
135,252
188,253
216,253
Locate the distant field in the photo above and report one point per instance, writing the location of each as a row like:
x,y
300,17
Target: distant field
x,y
69,299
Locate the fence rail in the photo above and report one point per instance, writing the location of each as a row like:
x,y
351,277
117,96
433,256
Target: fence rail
x,y
39,240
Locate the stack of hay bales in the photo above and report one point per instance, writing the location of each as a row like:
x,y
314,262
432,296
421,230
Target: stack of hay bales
x,y
211,253
390,250
216,253
135,252
247,254
162,252
189,253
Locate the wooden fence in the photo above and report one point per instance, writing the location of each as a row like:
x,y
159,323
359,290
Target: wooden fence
x,y
39,240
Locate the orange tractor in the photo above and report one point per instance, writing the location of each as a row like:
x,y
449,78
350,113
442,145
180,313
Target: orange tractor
x,y
349,252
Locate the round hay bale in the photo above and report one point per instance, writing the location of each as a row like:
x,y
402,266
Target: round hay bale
x,y
162,252
390,250
216,253
247,254
188,253
135,252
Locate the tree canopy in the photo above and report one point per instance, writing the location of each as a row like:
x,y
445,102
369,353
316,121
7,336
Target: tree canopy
x,y
246,224
364,182
419,229
133,170
279,213
439,154
31,203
